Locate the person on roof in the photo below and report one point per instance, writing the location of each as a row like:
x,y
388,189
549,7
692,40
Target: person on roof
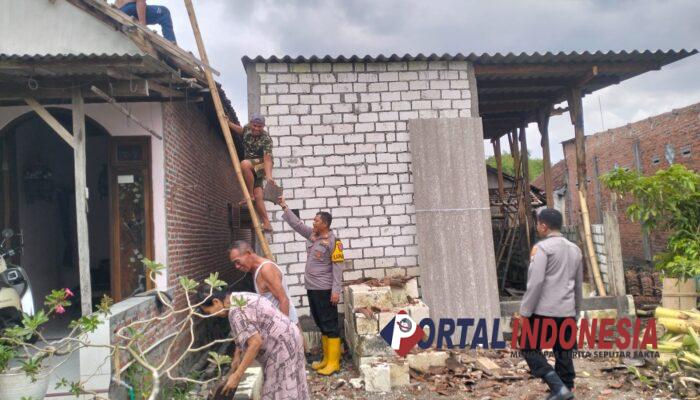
x,y
149,15
257,162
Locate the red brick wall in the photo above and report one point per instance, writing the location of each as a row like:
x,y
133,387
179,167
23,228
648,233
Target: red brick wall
x,y
199,183
614,147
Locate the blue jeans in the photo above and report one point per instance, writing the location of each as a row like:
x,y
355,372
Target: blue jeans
x,y
155,15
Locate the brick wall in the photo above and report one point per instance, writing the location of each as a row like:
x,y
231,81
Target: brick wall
x,y
678,129
200,183
340,132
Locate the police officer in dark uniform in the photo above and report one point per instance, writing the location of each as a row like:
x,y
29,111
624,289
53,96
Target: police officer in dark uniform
x,y
322,277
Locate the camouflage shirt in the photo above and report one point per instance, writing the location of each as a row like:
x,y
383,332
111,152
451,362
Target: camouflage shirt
x,y
256,146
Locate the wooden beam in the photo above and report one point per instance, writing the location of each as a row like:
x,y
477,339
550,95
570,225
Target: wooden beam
x,y
527,201
581,82
81,205
223,121
124,111
544,69
596,188
20,91
623,304
543,125
537,84
51,121
614,253
499,168
576,114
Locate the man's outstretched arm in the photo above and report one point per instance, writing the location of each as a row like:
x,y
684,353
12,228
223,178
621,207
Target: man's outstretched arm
x,y
293,221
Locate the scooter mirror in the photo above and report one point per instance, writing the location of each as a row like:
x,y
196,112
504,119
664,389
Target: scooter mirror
x,y
7,233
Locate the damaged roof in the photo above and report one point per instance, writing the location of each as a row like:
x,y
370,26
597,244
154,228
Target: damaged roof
x,y
107,49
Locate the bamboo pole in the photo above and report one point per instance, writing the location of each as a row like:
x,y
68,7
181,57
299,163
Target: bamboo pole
x,y
499,166
589,245
543,125
576,114
225,128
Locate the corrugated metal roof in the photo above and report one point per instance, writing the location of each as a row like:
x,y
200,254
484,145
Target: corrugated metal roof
x,y
512,88
486,58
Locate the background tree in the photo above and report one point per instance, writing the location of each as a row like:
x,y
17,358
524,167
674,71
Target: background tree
x,y
668,201
536,165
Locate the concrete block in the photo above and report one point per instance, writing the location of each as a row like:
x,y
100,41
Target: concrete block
x,y
384,318
365,325
412,287
418,311
377,377
371,345
366,296
424,360
398,371
398,294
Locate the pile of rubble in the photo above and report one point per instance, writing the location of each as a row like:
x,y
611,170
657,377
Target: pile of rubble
x,y
370,305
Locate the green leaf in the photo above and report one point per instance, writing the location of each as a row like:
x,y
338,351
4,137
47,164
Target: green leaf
x,y
218,359
153,266
33,322
188,284
214,281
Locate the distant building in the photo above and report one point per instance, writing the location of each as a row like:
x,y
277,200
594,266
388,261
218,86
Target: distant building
x,y
646,146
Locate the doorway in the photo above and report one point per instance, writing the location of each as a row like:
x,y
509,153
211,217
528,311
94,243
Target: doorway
x,y
38,201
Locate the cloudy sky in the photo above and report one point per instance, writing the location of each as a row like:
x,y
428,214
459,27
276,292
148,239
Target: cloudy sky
x,y
234,28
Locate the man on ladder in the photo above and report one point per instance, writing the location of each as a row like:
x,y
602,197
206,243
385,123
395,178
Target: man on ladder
x,y
257,162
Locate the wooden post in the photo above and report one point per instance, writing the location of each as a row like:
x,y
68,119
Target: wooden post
x,y
576,114
5,182
543,125
598,199
225,128
526,199
499,167
614,253
646,244
81,198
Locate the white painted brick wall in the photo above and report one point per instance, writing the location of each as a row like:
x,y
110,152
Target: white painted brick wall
x,y
341,144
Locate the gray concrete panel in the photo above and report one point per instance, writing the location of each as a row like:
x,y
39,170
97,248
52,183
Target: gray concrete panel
x,y
453,219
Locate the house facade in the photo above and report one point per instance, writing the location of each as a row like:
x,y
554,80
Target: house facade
x,y
150,163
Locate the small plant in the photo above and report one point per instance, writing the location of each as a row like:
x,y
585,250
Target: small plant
x,y
26,344
667,201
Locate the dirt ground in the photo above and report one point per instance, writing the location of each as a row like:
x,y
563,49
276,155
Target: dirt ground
x,y
598,379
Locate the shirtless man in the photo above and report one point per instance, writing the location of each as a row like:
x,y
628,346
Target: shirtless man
x,y
267,277
149,15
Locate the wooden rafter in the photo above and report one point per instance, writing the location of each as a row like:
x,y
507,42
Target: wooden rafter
x,y
564,69
45,115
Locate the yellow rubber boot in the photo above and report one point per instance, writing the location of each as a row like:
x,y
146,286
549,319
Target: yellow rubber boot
x,y
333,357
316,365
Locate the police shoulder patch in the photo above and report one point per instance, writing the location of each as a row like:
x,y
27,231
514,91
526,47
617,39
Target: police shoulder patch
x,y
337,255
532,253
